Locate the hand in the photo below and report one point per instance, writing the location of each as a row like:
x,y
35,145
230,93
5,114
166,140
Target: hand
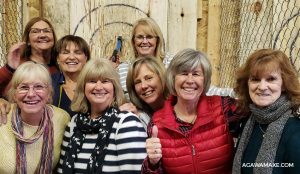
x,y
130,108
153,148
117,63
4,110
13,57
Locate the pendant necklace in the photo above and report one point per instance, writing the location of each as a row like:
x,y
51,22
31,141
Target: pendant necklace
x,y
185,118
262,130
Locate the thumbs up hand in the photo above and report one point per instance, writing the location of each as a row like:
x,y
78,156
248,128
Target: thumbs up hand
x,y
153,148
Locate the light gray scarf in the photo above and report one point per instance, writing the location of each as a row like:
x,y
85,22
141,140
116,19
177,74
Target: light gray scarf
x,y
276,115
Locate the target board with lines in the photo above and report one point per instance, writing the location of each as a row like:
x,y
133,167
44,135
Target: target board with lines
x,y
101,22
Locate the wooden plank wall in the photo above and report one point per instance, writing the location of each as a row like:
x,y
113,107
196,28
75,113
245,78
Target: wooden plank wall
x,y
57,11
182,25
213,38
100,22
202,26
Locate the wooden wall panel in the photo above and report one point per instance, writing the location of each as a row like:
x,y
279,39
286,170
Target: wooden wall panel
x,y
34,6
26,12
101,22
202,25
182,25
57,12
213,38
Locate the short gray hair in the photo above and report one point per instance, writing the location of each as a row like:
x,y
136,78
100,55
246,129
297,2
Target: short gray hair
x,y
187,60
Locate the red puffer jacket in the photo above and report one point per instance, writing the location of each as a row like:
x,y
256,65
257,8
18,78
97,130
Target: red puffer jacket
x,y
209,147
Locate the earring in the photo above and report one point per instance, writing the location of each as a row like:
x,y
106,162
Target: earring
x,y
48,100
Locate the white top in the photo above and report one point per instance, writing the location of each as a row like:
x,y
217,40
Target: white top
x,y
124,67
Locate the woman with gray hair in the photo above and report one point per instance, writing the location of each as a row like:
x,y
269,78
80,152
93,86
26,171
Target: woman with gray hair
x,y
147,39
193,132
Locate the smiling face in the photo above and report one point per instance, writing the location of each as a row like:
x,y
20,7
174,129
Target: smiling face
x,y
266,88
148,87
32,102
99,92
41,41
71,59
189,85
146,46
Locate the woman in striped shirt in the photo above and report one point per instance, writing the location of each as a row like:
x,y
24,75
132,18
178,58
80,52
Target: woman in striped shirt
x,y
100,138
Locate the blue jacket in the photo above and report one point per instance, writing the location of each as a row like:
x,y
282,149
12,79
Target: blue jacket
x,y
57,79
65,103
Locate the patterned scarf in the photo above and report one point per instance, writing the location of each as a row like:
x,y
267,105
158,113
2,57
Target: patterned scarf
x,y
276,115
84,125
46,128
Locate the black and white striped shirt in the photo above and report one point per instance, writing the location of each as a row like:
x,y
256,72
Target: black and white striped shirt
x,y
126,149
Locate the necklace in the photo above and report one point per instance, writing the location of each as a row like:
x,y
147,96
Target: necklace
x,y
185,118
262,130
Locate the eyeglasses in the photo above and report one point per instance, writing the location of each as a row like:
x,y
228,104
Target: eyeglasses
x,y
141,38
23,89
36,31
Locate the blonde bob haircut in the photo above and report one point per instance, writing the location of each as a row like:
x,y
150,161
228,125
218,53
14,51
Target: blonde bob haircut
x,y
27,73
97,68
156,67
187,60
267,61
149,26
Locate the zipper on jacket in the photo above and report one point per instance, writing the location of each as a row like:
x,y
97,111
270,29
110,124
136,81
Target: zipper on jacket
x,y
193,150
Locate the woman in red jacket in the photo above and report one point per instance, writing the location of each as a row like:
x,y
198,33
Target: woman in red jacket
x,y
193,132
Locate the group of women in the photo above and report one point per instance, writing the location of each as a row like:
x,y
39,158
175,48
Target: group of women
x,y
90,128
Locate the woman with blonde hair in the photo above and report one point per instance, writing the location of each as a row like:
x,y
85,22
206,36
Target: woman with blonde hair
x,y
100,138
147,39
146,86
31,139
